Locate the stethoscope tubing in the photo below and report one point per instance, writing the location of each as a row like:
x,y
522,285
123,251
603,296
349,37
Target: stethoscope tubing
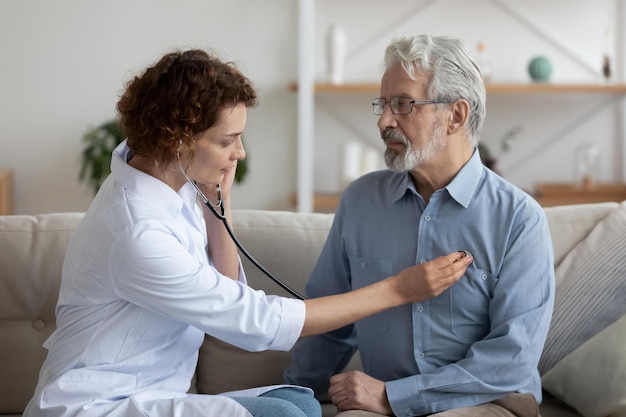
x,y
222,217
247,254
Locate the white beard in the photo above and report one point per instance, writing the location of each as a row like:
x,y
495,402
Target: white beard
x,y
412,157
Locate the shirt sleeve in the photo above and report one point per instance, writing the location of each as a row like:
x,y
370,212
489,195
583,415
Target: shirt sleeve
x,y
506,359
152,268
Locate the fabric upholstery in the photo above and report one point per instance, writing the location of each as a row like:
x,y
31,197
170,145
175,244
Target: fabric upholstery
x,y
31,256
591,289
287,243
592,378
571,224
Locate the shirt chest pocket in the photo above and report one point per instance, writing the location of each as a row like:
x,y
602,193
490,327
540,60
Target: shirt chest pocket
x,y
468,309
364,272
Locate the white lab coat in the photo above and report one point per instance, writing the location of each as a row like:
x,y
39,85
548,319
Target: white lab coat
x,y
137,295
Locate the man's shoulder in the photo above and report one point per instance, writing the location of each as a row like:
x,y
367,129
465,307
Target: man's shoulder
x,y
384,179
508,196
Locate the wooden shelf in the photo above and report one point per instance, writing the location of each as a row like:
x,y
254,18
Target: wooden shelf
x,y
547,88
6,192
496,88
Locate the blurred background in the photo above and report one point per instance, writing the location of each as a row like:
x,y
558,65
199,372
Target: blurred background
x,y
64,64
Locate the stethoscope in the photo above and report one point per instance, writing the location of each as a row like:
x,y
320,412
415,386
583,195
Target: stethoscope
x,y
221,216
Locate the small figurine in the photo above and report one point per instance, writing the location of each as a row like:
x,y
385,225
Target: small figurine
x,y
606,67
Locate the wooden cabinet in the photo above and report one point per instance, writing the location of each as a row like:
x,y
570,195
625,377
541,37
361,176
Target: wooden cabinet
x,y
556,194
6,192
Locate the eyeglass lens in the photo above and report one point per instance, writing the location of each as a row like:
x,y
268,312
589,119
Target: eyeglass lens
x,y
399,105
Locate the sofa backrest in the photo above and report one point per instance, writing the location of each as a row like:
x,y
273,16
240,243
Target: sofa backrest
x,y
570,224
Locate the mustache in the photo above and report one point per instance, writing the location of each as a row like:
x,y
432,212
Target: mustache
x,y
394,134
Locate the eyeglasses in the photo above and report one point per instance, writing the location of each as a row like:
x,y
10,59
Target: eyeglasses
x,y
401,105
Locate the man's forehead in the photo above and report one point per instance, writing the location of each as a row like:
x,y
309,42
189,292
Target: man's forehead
x,y
396,82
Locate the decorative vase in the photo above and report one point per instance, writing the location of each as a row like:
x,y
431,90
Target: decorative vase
x,y
587,158
484,62
540,69
336,50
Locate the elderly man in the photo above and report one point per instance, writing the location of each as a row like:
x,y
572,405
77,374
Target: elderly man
x,y
472,350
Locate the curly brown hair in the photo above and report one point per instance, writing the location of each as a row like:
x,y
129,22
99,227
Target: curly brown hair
x,y
179,98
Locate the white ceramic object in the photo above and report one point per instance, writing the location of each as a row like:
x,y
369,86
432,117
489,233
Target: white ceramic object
x,y
336,51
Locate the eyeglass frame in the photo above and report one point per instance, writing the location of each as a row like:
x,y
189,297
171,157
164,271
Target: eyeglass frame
x,y
411,102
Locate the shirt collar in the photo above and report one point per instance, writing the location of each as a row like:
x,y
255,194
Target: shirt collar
x,y
146,186
461,188
464,184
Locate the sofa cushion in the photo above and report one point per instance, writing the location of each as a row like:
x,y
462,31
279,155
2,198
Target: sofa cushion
x,y
275,239
571,224
33,249
590,289
592,379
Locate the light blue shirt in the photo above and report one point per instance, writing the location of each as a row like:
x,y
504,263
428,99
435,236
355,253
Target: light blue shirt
x,y
138,293
477,341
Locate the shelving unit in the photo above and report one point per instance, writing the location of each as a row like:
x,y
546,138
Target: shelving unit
x,y
496,88
326,202
307,88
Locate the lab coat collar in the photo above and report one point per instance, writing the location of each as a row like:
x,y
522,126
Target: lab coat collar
x,y
146,186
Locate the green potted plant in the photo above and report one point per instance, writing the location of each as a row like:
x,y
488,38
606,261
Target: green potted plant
x,y
99,143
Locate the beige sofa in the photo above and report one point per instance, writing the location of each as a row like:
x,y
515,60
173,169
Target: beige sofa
x,y
31,254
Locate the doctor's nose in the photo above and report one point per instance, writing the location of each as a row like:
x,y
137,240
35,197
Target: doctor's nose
x,y
240,152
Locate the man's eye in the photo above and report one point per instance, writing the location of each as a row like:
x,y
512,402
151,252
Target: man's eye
x,y
403,104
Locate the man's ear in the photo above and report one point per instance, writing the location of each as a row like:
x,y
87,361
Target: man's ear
x,y
460,112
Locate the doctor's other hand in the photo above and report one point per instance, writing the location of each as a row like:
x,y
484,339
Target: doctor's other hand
x,y
356,390
429,279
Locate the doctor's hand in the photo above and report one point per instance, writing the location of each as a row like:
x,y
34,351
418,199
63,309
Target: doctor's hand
x,y
228,181
210,190
411,285
358,391
429,279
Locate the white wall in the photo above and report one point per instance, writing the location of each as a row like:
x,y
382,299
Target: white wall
x,y
570,32
65,62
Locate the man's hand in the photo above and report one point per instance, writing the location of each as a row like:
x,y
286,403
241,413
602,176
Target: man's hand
x,y
358,391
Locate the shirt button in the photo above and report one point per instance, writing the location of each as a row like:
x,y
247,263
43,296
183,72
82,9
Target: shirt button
x,y
420,309
410,412
38,324
483,276
421,354
427,218
364,265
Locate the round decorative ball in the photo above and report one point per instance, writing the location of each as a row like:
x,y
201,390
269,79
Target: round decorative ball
x,y
540,69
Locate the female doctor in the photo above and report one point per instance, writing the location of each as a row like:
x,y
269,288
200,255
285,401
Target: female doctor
x,y
149,271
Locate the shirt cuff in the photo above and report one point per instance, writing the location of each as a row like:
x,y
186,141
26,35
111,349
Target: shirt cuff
x,y
293,312
405,398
